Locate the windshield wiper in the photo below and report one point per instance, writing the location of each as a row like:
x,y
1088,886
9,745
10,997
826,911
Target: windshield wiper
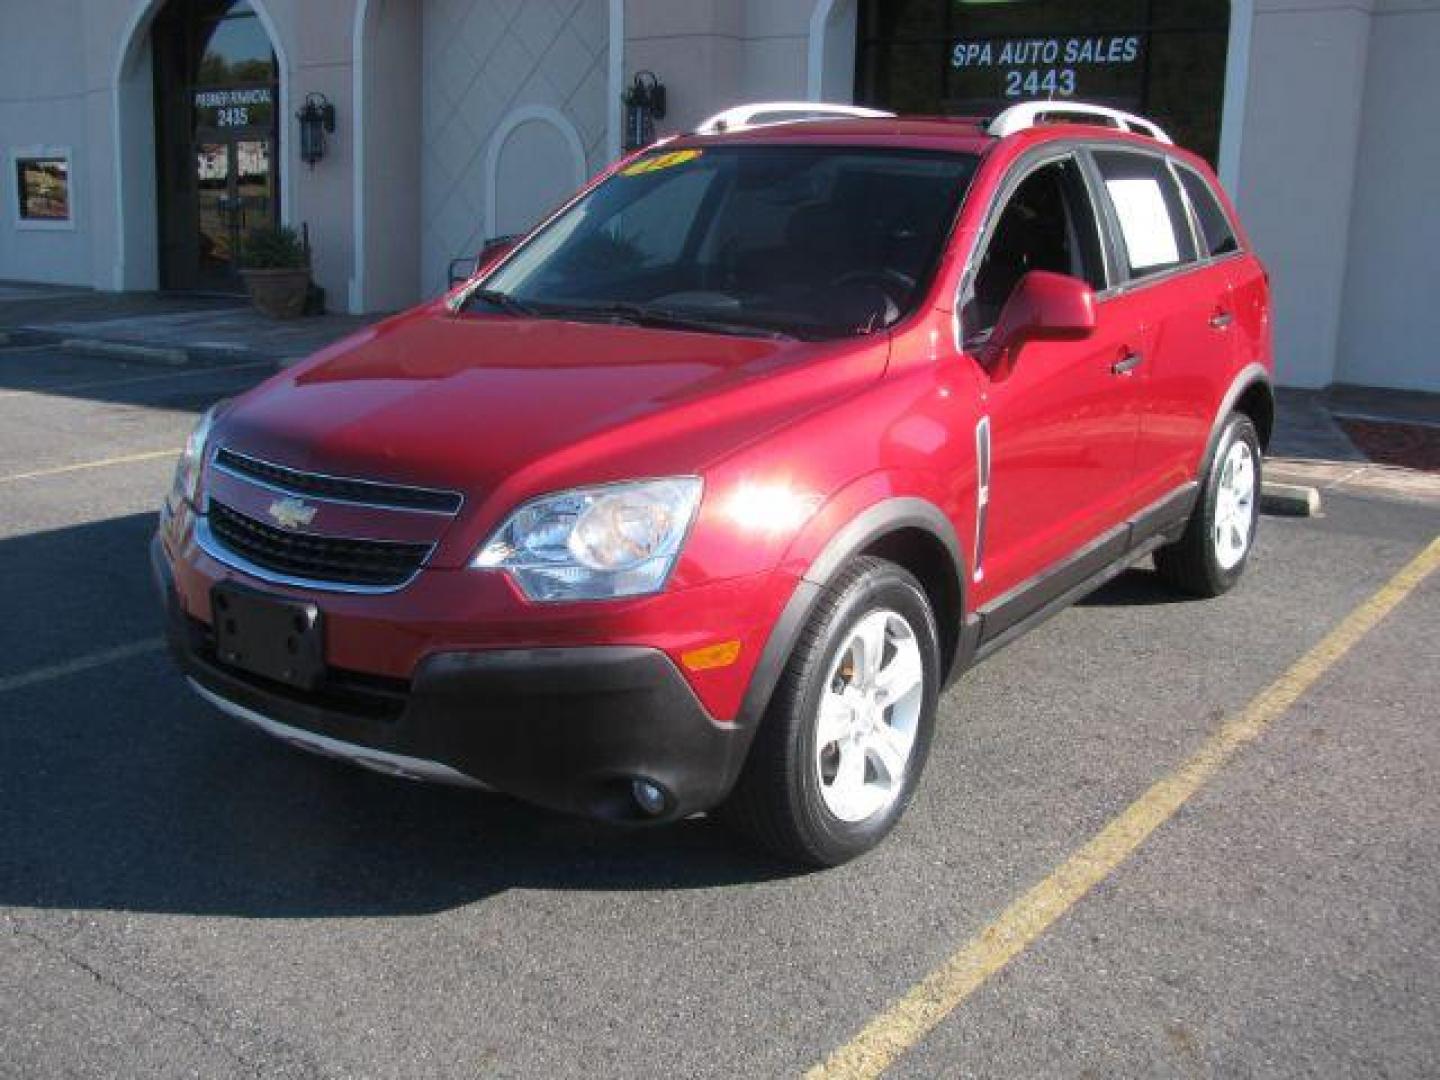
x,y
665,319
504,301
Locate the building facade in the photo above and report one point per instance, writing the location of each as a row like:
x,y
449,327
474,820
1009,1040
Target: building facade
x,y
143,138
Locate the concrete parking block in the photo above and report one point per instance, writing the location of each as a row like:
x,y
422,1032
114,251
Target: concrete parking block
x,y
125,351
1292,500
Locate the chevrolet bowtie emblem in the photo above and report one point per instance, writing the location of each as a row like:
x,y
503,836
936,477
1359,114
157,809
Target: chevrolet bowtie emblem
x,y
291,513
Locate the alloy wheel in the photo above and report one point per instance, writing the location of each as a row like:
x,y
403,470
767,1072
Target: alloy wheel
x,y
868,717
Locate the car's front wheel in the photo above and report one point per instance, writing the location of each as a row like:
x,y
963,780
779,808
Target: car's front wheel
x,y
842,746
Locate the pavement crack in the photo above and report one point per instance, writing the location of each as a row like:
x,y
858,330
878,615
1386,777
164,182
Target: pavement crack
x,y
53,948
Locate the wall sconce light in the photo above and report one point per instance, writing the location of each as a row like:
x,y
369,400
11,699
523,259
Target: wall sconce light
x,y
316,119
644,104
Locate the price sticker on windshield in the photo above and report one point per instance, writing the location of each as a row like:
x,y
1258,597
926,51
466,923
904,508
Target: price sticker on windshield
x,y
659,161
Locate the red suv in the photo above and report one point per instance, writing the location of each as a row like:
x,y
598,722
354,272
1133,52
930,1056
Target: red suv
x,y
698,496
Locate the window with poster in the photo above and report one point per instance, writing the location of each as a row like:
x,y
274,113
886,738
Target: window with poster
x,y
42,189
1164,59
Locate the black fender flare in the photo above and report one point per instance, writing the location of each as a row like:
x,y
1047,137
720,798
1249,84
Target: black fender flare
x,y
871,524
1248,377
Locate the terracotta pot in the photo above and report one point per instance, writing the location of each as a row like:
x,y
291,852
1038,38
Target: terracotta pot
x,y
279,293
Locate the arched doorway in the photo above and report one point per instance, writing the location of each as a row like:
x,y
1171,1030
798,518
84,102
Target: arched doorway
x,y
217,112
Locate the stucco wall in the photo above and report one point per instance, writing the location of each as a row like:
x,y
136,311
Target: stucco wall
x,y
1297,168
43,104
1390,321
514,93
389,225
318,44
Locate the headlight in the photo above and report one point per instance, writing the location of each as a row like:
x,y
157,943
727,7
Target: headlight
x,y
192,458
595,543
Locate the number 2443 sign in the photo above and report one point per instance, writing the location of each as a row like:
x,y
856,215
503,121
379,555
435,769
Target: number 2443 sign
x,y
1044,67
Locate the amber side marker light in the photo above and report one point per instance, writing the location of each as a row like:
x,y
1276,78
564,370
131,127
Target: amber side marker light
x,y
711,656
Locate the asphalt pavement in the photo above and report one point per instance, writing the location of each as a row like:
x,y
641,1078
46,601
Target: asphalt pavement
x,y
180,896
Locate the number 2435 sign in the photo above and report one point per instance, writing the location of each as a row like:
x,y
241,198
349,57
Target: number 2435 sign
x,y
234,107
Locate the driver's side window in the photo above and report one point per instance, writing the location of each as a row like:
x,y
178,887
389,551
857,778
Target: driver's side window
x,y
1048,224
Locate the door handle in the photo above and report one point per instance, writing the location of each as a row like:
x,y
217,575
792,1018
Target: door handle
x,y
1127,363
1221,319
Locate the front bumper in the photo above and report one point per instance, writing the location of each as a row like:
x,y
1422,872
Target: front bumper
x,y
567,728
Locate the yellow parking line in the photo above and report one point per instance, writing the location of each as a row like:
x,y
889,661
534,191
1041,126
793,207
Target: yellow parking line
x,y
93,384
80,663
905,1022
123,459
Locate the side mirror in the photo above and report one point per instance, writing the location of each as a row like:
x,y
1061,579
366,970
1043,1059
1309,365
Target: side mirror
x,y
462,270
491,251
1044,306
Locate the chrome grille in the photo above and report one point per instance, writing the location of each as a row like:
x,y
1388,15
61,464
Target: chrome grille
x,y
320,559
337,488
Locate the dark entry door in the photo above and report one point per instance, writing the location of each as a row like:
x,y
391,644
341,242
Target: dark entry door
x,y
217,115
235,192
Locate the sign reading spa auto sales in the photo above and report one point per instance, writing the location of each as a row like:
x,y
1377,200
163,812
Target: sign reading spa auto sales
x,y
1102,67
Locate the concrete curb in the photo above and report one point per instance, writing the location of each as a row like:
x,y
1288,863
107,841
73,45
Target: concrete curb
x,y
139,352
120,350
1289,500
1346,477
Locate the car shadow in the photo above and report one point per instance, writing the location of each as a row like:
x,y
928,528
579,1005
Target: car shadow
x,y
192,387
120,790
1136,587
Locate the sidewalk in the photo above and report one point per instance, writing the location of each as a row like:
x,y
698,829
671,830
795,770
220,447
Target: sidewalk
x,y
1311,447
1306,430
194,328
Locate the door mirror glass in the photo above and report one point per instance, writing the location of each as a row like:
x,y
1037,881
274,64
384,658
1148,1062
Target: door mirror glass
x,y
1044,306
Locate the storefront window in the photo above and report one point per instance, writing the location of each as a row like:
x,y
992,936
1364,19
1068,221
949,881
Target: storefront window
x,y
1162,58
42,185
235,81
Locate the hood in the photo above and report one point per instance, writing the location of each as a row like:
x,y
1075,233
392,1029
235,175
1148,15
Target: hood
x,y
487,404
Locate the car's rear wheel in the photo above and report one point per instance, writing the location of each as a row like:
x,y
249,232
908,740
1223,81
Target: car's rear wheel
x,y
1211,555
842,746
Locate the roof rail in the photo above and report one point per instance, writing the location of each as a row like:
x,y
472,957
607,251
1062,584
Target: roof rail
x,y
1031,113
765,113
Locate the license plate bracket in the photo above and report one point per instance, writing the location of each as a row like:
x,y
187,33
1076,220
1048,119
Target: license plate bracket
x,y
269,636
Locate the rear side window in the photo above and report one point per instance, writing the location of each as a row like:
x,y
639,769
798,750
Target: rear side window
x,y
1215,228
1154,230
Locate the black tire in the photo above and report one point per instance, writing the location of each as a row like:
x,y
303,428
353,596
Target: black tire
x,y
1192,564
777,801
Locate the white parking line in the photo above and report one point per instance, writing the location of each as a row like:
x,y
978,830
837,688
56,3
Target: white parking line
x,y
93,384
80,663
123,459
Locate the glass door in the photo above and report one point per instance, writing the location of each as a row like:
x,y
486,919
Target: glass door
x,y
235,192
217,244
217,120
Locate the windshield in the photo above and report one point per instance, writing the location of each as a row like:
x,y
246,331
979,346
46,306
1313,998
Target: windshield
x,y
807,241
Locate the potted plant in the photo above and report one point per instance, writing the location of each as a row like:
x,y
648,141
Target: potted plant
x,y
276,269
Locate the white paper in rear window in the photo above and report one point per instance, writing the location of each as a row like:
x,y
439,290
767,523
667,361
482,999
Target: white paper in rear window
x,y
1145,221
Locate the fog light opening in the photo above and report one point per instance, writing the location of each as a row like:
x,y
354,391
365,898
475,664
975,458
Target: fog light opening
x,y
649,796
